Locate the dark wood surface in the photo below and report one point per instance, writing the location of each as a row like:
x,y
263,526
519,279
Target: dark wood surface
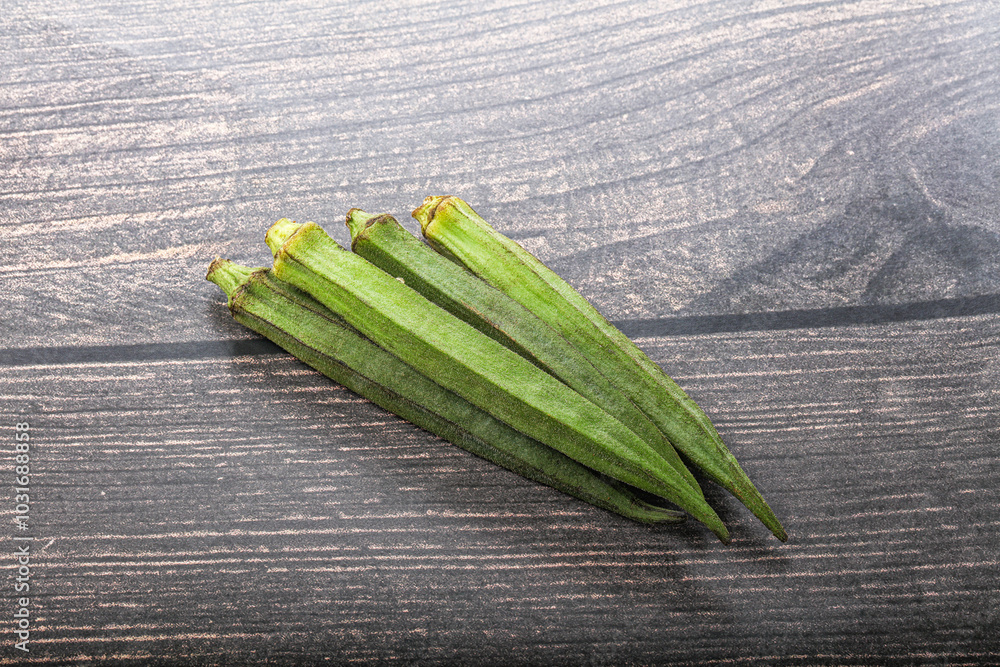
x,y
793,207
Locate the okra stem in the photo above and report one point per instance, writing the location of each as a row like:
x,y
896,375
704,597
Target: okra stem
x,y
316,336
454,229
382,240
474,366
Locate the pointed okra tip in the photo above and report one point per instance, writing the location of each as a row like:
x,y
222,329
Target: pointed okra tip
x,y
228,275
744,490
714,523
768,518
279,233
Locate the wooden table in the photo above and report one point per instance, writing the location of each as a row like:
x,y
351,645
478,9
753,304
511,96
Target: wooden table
x,y
793,207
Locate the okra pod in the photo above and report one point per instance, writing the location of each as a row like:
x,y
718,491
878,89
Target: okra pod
x,y
474,366
318,337
385,243
454,229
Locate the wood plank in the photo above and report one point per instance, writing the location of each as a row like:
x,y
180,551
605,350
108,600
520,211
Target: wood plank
x,y
716,157
792,207
231,506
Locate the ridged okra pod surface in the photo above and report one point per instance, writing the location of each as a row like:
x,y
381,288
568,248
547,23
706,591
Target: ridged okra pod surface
x,y
474,366
453,228
315,335
385,243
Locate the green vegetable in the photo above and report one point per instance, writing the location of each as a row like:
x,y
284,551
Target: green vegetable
x,y
474,366
383,241
454,229
315,335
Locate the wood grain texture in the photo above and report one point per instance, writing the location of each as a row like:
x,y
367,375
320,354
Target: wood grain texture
x,y
791,206
284,516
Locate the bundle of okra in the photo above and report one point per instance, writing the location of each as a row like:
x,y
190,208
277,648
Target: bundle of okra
x,y
472,338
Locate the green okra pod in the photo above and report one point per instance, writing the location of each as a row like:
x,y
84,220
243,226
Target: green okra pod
x,y
318,337
454,229
385,243
474,366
